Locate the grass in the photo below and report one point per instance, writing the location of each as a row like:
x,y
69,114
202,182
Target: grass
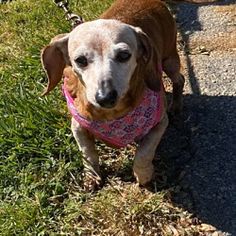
x,y
40,166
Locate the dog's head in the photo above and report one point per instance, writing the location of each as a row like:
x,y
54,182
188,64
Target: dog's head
x,y
104,54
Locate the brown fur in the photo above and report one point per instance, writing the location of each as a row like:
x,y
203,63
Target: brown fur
x,y
153,17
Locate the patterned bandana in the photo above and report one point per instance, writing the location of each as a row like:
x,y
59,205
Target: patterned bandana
x,y
127,129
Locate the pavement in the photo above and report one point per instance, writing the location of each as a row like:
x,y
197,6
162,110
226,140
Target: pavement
x,y
201,148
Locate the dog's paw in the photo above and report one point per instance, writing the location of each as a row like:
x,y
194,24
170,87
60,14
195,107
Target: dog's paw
x,y
91,181
143,175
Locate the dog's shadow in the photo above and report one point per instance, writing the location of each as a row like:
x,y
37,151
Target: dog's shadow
x,y
201,161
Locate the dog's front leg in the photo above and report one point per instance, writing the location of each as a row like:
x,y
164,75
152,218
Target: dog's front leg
x,y
86,145
143,167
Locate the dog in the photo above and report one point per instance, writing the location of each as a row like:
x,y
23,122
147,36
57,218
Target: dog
x,y
112,69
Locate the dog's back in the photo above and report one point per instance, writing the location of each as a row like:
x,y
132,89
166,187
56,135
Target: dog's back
x,y
152,16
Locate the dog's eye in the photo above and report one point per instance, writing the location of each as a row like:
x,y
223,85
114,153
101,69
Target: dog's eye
x,y
123,56
81,61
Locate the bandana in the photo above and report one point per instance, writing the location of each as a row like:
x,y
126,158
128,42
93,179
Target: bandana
x,y
125,130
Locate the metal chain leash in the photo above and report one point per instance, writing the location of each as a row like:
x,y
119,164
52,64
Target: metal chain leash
x,y
75,19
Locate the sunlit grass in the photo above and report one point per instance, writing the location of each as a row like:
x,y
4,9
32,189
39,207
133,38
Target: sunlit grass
x,y
38,155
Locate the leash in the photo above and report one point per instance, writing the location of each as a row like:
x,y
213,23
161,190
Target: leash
x,y
73,18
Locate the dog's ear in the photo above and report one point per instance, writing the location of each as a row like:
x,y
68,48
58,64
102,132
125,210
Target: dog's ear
x,y
54,58
149,60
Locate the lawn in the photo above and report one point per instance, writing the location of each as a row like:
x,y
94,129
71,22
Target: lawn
x,y
40,166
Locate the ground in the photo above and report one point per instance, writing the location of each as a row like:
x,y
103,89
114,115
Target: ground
x,y
204,146
193,192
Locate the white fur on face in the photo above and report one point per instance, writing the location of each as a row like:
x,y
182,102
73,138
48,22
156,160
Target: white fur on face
x,y
99,42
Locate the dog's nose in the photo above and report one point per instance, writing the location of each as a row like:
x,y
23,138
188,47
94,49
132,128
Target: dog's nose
x,y
106,99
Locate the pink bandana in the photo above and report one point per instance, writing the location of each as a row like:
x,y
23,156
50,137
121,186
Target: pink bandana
x,y
127,129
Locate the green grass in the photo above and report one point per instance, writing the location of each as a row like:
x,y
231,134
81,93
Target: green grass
x,y
40,166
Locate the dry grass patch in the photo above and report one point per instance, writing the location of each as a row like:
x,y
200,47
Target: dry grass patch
x,y
125,209
223,42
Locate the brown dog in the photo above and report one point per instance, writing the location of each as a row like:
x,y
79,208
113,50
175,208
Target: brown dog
x,y
113,69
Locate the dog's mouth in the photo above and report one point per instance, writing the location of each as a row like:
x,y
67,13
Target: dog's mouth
x,y
110,105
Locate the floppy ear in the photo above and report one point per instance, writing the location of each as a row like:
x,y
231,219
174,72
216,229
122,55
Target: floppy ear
x,y
54,58
148,57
